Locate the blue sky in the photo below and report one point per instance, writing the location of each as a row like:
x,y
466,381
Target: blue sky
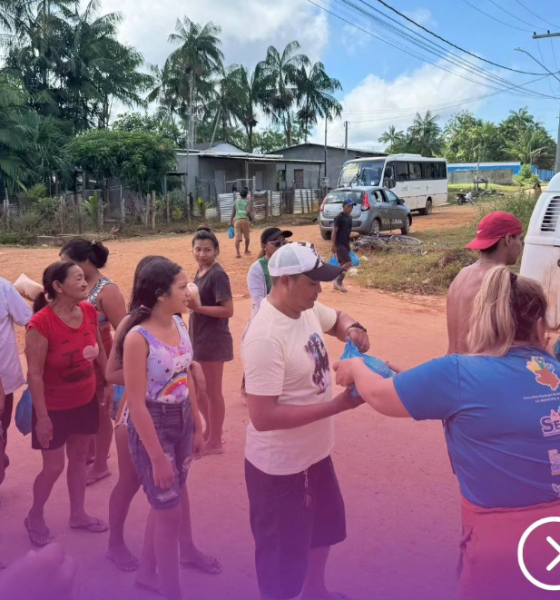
x,y
382,85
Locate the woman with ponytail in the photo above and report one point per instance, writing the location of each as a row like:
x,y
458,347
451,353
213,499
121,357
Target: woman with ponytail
x,y
164,427
128,482
107,299
500,407
63,348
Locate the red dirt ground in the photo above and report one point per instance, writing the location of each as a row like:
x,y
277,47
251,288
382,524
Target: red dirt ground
x,y
401,498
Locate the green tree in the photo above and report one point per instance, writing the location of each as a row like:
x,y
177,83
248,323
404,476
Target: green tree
x,y
314,93
529,146
283,67
188,69
396,140
425,135
160,123
255,89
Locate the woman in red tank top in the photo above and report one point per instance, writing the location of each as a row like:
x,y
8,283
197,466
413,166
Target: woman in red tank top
x,y
63,348
109,303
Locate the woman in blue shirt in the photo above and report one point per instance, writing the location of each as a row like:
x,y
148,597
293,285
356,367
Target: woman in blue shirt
x,y
501,407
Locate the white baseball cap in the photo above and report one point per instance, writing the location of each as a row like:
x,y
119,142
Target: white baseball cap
x,y
301,258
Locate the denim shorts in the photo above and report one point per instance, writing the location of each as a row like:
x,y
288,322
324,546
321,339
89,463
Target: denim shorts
x,y
174,424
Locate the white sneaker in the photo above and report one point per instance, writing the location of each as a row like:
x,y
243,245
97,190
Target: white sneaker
x,y
339,288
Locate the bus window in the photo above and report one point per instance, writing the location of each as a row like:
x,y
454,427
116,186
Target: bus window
x,y
440,171
402,171
428,170
415,170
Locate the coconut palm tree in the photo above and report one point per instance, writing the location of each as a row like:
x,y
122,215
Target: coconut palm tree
x,y
255,89
425,134
530,146
283,68
393,138
314,89
197,59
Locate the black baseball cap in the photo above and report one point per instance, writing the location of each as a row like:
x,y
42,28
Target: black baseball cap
x,y
273,233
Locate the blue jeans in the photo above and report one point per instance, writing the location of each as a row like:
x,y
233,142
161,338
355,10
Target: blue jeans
x,y
174,424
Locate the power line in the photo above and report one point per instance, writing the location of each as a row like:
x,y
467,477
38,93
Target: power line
x,y
512,15
542,59
496,18
431,47
495,64
536,15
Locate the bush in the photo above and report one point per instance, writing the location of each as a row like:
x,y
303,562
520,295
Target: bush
x,y
521,205
526,177
16,238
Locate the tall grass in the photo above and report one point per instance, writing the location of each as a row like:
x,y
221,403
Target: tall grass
x,y
520,204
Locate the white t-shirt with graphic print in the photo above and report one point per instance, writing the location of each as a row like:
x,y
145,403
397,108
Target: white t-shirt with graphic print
x,y
287,358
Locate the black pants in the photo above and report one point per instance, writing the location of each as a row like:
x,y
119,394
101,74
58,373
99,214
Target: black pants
x,y
6,417
291,515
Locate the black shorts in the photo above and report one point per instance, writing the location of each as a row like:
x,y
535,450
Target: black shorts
x,y
343,255
83,420
286,525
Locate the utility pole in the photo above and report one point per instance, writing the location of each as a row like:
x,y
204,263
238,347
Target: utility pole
x,y
536,36
345,141
326,129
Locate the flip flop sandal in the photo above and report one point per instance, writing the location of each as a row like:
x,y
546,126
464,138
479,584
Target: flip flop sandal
x,y
210,565
91,480
95,526
126,566
35,535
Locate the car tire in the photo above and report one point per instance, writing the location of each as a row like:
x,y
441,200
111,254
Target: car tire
x,y
428,209
326,235
406,229
375,227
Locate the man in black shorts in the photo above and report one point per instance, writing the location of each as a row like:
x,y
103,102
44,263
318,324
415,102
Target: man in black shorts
x,y
341,241
297,510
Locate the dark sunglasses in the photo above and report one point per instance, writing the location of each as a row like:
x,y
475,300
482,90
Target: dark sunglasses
x,y
278,243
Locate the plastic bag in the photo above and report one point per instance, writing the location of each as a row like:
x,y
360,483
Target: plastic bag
x,y
374,364
557,349
333,261
355,260
118,393
23,413
231,233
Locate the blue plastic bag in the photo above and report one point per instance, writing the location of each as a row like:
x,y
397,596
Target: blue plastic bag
x,y
117,394
231,233
557,349
374,364
23,413
355,260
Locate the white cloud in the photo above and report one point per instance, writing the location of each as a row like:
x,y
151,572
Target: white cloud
x,y
376,103
248,26
353,39
423,16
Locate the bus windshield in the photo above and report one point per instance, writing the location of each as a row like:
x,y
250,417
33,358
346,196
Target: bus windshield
x,y
361,173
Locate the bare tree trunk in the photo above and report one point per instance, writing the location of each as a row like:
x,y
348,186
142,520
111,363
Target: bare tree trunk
x,y
122,206
153,206
6,208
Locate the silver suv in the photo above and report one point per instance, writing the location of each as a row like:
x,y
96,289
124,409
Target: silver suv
x,y
377,209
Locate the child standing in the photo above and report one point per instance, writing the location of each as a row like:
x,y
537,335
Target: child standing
x,y
164,427
209,328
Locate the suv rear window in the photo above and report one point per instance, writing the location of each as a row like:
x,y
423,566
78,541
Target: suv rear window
x,y
338,196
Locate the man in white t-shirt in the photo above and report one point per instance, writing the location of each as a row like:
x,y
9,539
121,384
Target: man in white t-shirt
x,y
297,510
14,310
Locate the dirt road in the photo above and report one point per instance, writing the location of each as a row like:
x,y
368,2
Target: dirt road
x,y
402,501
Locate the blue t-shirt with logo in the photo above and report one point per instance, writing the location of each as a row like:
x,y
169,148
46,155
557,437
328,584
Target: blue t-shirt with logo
x,y
502,422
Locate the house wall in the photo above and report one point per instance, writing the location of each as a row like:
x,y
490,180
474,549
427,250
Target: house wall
x,y
496,176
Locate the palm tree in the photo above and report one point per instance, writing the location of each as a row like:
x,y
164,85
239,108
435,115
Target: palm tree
x,y
425,134
529,146
255,90
197,59
314,90
393,138
283,68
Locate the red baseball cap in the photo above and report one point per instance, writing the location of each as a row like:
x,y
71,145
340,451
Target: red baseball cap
x,y
493,228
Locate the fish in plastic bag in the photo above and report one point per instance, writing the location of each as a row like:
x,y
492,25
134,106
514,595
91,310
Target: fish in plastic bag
x,y
231,233
374,364
355,260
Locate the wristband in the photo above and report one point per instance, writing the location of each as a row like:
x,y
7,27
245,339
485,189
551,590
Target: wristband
x,y
356,325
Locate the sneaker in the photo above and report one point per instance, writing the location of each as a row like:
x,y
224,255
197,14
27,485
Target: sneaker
x,y
338,287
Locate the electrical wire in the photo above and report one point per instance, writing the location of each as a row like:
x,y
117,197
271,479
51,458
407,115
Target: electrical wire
x,y
512,15
496,18
495,64
429,46
542,60
536,15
